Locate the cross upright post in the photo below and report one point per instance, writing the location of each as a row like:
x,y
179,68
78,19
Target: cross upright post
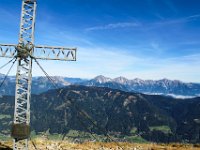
x,y
24,52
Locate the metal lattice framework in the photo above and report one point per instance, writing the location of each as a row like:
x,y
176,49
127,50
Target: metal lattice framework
x,y
41,52
25,51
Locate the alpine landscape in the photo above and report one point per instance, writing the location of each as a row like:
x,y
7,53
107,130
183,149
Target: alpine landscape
x,y
132,80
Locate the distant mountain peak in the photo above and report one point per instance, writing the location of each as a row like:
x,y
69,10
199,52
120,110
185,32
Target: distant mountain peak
x,y
121,80
168,82
102,79
163,86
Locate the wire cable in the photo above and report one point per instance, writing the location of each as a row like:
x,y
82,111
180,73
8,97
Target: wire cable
x,y
33,143
7,73
7,63
78,109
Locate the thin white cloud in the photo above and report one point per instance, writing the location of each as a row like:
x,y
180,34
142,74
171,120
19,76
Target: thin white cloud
x,y
168,22
113,26
193,16
178,21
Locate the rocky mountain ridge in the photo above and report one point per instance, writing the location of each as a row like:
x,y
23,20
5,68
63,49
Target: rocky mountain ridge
x,y
172,88
152,87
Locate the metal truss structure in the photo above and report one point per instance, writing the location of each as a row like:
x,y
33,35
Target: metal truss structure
x,y
24,52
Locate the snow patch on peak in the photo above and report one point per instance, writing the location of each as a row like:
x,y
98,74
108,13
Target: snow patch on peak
x,y
102,79
121,80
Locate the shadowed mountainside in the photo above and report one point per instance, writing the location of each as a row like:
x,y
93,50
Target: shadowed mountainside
x,y
119,113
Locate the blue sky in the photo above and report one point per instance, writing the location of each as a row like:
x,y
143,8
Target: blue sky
x,y
147,39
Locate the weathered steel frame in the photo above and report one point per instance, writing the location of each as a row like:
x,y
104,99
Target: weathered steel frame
x,y
24,66
41,52
24,71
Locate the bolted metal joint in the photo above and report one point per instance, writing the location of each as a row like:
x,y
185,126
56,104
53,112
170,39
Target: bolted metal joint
x,y
24,50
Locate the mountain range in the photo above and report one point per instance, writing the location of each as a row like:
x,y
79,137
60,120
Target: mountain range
x,y
166,87
173,88
101,110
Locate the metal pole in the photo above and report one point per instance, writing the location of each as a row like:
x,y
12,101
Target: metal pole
x,y
21,126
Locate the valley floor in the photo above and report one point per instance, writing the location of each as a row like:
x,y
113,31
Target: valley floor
x,y
41,144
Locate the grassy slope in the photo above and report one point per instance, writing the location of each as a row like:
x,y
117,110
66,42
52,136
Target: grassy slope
x,y
52,144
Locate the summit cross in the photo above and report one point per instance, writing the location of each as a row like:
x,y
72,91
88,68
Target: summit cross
x,y
24,52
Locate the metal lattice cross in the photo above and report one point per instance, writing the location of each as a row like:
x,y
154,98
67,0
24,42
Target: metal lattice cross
x,y
25,51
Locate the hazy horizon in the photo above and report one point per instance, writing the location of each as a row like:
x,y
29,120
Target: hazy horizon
x,y
114,78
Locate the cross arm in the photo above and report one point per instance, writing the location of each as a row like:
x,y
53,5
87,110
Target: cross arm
x,y
41,52
8,50
54,53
